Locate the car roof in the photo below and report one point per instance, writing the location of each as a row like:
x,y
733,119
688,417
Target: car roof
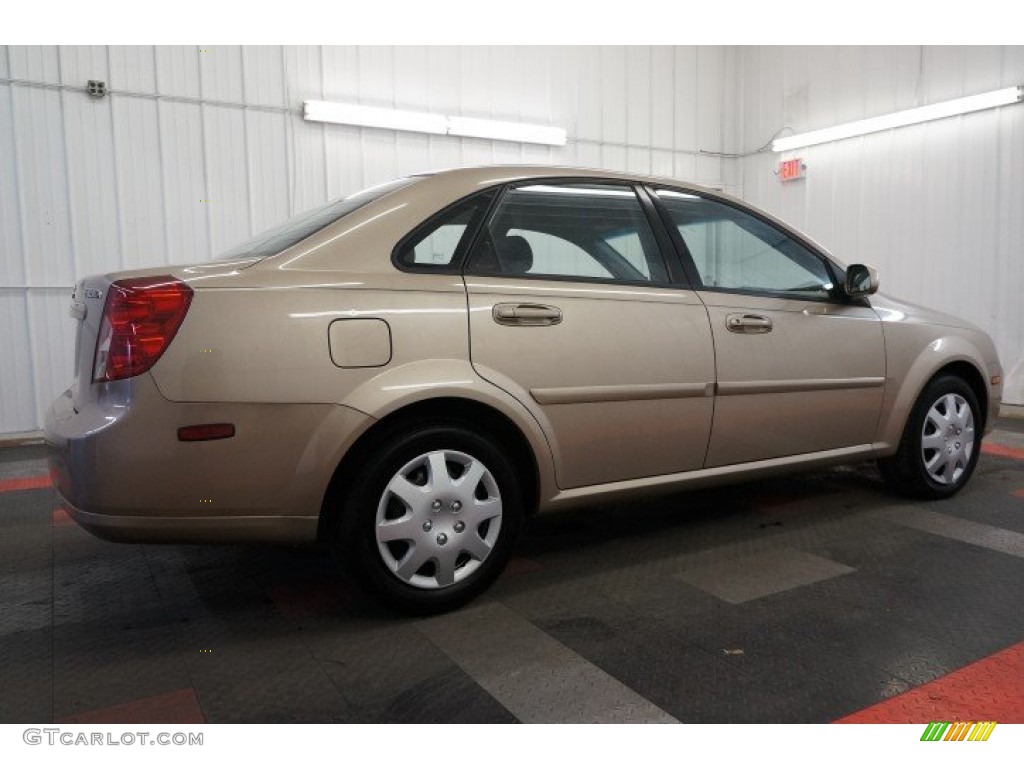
x,y
485,175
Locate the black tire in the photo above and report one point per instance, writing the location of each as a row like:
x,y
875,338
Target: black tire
x,y
352,527
905,472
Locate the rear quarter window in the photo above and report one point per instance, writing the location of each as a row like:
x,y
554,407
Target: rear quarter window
x,y
297,229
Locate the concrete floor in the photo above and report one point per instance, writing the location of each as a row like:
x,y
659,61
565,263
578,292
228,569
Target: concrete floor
x,y
802,599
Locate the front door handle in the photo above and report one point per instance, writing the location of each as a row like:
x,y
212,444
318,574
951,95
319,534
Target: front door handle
x,y
527,314
747,323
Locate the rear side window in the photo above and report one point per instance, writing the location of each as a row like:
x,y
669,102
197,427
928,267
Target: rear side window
x,y
283,236
439,243
574,230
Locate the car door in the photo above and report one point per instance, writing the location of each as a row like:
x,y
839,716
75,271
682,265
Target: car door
x,y
573,312
798,368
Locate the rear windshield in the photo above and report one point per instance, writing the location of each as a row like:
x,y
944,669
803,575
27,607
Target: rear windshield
x,y
294,230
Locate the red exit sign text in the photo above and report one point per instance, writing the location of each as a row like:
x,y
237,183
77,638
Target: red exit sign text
x,y
791,169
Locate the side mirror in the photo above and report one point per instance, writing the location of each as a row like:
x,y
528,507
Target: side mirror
x,y
861,280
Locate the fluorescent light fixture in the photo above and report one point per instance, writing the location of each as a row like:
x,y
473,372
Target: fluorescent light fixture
x,y
988,100
374,117
426,122
502,131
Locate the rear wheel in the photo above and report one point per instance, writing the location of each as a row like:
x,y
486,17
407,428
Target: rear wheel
x,y
940,444
430,518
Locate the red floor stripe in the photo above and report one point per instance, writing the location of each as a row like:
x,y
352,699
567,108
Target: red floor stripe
x,y
174,707
989,689
25,483
1006,451
1019,493
60,518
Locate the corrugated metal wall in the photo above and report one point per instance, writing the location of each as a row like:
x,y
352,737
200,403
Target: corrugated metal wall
x,y
197,148
937,207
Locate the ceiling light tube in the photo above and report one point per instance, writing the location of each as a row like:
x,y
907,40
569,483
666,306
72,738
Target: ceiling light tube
x,y
501,131
426,122
374,117
951,108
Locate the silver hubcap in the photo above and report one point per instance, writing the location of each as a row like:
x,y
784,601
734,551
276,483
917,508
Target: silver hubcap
x,y
947,440
438,519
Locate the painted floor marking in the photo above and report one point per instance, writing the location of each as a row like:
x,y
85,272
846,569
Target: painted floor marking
x,y
25,483
17,469
766,573
532,675
988,689
979,534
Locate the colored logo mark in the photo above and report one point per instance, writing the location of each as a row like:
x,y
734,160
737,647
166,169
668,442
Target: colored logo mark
x,y
970,731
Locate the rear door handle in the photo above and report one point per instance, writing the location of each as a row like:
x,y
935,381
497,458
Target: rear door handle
x,y
747,323
527,314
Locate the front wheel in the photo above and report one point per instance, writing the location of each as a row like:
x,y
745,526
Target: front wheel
x,y
430,520
940,444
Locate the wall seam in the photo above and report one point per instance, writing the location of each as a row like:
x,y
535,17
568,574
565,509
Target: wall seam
x,y
206,157
163,165
118,199
22,247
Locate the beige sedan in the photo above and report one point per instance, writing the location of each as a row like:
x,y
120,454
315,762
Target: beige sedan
x,y
408,373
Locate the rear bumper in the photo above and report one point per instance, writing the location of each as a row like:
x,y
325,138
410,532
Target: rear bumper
x,y
121,472
194,530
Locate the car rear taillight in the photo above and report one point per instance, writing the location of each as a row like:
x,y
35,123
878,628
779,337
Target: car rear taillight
x,y
140,318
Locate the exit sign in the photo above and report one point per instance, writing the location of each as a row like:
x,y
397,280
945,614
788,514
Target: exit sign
x,y
790,170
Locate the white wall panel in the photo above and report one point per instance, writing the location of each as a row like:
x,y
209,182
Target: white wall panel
x,y
12,265
197,147
220,73
53,344
343,159
269,204
177,70
263,78
303,73
80,63
587,123
132,68
613,94
136,132
937,207
48,250
443,80
184,182
686,106
307,163
712,90
340,72
227,176
92,184
34,62
662,97
638,96
662,163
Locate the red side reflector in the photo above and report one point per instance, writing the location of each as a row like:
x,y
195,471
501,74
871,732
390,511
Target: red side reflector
x,y
206,432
